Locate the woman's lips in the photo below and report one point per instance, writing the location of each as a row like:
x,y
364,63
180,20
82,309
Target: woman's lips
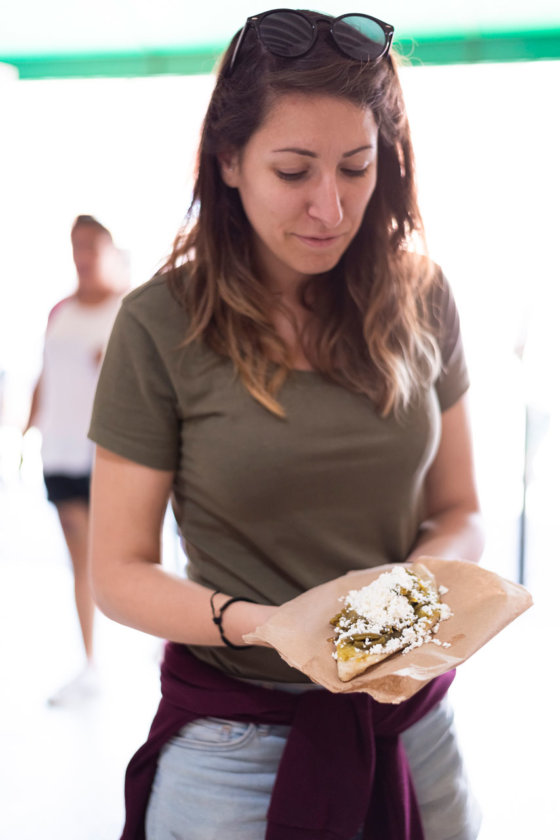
x,y
318,241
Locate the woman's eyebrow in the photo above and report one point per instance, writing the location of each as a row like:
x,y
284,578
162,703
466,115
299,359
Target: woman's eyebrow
x,y
297,151
359,149
307,153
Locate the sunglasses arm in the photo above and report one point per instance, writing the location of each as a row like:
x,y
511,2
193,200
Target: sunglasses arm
x,y
248,23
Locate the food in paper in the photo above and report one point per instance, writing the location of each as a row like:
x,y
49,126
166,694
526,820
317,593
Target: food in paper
x,y
398,611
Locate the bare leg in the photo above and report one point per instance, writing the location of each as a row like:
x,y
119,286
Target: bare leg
x,y
73,517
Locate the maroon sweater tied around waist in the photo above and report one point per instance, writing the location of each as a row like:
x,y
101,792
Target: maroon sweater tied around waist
x,y
343,767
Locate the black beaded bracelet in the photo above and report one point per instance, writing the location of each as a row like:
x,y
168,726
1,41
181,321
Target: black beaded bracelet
x,y
218,618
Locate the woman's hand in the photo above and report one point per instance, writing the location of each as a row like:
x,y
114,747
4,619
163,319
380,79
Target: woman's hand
x,y
128,503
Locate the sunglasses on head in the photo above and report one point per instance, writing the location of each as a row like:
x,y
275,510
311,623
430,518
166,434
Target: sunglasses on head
x,y
292,34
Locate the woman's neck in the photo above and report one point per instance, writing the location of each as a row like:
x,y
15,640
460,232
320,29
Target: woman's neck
x,y
292,320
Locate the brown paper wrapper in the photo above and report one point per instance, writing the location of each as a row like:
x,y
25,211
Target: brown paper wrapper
x,y
482,603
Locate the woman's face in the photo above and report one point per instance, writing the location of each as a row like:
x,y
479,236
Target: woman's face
x,y
305,178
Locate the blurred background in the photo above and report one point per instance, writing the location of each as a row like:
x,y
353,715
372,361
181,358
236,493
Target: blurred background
x,y
101,106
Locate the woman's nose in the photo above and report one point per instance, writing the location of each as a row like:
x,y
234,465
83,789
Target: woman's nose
x,y
325,203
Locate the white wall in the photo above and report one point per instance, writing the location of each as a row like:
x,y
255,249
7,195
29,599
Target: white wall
x,y
486,139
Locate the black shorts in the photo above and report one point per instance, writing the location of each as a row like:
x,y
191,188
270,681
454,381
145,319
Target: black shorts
x,y
66,488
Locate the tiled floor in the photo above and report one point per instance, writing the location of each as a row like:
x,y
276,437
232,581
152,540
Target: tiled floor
x,y
61,770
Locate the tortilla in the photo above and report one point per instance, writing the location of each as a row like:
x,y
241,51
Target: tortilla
x,y
398,611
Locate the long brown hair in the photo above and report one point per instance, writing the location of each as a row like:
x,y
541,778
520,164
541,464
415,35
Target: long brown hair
x,y
375,338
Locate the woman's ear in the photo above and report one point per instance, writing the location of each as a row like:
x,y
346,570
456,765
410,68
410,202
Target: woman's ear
x,y
229,167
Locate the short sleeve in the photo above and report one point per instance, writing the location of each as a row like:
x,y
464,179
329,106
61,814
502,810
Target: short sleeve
x,y
135,408
453,379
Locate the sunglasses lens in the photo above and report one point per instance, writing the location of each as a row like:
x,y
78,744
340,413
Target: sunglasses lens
x,y
359,37
287,34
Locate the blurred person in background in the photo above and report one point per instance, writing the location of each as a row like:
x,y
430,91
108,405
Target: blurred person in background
x,y
77,331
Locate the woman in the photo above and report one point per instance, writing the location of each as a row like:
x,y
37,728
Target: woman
x,y
294,378
77,331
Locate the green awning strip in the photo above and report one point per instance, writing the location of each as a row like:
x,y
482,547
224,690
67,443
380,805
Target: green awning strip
x,y
514,46
115,65
500,47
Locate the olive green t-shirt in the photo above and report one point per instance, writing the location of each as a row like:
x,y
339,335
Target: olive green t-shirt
x,y
268,507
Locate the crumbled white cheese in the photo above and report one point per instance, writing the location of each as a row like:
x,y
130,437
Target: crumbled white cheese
x,y
386,606
383,602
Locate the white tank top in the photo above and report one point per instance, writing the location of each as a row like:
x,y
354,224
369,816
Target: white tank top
x,y
75,341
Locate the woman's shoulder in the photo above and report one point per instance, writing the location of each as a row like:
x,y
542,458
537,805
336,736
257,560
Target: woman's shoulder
x,y
154,292
154,304
436,301
440,301
427,278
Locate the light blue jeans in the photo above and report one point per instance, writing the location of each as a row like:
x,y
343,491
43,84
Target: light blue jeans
x,y
215,778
